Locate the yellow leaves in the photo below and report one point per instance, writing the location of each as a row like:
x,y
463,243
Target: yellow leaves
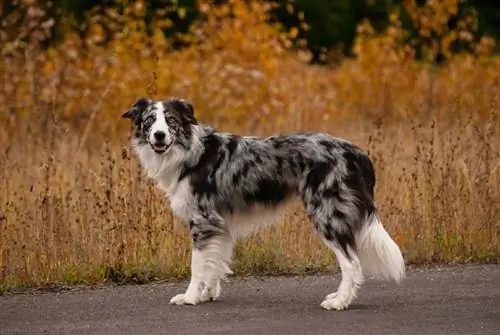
x,y
394,17
162,24
285,40
96,33
432,17
139,6
431,21
239,9
219,11
425,33
181,12
485,47
48,68
365,28
446,44
204,7
240,64
453,10
465,36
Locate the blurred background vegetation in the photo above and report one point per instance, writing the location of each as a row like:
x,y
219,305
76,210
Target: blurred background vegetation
x,y
330,29
414,83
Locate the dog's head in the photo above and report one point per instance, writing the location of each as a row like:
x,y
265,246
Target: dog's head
x,y
162,124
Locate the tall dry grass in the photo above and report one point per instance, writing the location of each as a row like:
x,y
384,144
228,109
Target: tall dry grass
x,y
75,206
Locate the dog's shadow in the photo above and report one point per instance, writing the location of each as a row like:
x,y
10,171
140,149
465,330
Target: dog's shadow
x,y
233,303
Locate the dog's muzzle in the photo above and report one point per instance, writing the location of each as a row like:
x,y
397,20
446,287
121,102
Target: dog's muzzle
x,y
159,145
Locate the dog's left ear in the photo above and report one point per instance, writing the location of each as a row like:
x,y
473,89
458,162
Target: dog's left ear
x,y
137,109
187,109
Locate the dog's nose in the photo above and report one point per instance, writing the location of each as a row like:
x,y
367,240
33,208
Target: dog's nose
x,y
159,135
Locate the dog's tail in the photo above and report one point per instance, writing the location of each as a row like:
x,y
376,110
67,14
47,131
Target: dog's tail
x,y
379,255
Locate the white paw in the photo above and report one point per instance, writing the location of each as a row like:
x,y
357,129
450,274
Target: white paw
x,y
335,303
331,296
211,293
183,299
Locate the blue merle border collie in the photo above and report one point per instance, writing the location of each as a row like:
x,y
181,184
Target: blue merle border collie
x,y
225,186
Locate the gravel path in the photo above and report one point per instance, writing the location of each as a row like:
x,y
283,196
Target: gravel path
x,y
448,300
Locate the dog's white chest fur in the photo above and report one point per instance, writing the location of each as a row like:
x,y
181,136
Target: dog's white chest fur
x,y
181,199
165,171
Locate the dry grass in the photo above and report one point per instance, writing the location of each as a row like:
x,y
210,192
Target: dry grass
x,y
75,206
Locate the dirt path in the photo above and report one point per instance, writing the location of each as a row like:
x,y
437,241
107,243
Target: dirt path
x,y
451,300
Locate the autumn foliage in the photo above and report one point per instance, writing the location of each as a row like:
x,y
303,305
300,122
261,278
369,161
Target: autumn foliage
x,y
75,206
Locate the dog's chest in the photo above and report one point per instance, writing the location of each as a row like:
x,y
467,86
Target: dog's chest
x,y
181,200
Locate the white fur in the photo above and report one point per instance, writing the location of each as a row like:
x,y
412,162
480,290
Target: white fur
x,y
352,278
208,267
257,218
160,124
379,255
217,255
193,292
165,168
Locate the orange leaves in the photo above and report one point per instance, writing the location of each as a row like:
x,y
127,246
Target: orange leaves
x,y
446,43
485,47
387,79
431,21
293,33
240,71
48,68
95,33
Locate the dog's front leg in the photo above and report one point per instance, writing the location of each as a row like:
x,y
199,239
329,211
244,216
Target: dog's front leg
x,y
210,258
193,293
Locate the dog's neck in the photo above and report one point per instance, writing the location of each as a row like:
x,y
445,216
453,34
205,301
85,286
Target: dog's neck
x,y
166,169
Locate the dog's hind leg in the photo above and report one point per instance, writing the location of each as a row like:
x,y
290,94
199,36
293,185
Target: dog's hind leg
x,y
338,238
353,231
210,258
337,217
352,277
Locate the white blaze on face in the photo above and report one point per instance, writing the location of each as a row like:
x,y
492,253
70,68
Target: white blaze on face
x,y
160,125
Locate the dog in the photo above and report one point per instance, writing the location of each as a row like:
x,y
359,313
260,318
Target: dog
x,y
225,186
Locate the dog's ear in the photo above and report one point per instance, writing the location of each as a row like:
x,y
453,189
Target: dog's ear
x,y
136,110
186,108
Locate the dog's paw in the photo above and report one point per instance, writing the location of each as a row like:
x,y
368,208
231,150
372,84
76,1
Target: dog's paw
x,y
183,299
331,296
211,293
334,303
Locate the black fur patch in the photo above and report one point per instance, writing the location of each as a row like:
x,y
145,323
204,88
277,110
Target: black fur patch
x,y
201,174
268,192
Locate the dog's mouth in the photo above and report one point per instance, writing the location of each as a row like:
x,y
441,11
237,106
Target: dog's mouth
x,y
159,148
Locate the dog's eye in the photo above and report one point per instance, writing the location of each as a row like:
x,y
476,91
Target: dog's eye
x,y
148,122
170,120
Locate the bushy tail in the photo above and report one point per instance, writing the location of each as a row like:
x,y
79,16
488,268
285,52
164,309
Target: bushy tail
x,y
379,255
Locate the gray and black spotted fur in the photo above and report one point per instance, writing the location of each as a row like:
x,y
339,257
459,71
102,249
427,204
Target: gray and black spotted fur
x,y
212,177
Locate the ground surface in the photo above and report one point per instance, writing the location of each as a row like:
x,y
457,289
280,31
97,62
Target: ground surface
x,y
450,300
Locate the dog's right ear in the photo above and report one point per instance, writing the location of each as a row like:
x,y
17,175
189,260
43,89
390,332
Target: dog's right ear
x,y
136,110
